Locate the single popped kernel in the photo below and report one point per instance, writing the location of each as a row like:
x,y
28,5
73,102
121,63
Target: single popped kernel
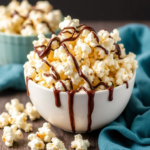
x,y
79,143
31,111
55,145
11,134
45,133
4,119
20,120
14,106
35,142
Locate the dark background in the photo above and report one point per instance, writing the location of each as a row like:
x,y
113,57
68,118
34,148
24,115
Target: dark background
x,y
101,9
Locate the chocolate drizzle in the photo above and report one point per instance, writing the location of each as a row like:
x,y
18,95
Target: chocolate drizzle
x,y
118,50
16,13
91,95
70,106
47,49
57,97
27,80
72,38
111,90
104,49
53,70
127,85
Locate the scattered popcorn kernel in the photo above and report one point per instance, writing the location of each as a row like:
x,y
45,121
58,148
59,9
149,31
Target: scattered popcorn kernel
x,y
20,121
4,119
55,145
31,111
14,106
35,142
79,143
11,134
45,133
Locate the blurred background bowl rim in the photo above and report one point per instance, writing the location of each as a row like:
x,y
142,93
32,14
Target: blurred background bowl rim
x,y
26,36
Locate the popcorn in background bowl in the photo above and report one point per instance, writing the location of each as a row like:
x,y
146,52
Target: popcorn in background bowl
x,y
25,19
19,25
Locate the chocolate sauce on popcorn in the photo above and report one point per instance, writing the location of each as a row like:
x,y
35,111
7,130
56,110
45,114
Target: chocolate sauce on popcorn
x,y
91,93
16,13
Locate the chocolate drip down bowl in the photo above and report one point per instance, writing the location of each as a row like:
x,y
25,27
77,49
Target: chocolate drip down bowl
x,y
81,113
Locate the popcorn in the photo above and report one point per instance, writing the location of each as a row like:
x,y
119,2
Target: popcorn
x,y
60,87
121,76
109,60
25,19
44,5
78,53
115,35
79,143
91,40
75,78
100,69
14,106
108,80
82,49
42,28
89,73
45,133
54,17
68,22
28,30
36,16
13,5
55,145
20,120
4,119
31,111
31,72
106,40
11,134
35,142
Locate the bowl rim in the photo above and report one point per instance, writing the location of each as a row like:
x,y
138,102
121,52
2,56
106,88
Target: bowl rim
x,y
81,93
27,36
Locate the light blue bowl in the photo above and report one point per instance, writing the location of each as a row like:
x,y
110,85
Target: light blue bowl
x,y
14,48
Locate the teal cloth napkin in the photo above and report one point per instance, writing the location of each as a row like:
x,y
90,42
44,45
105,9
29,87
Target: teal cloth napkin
x,y
131,131
11,76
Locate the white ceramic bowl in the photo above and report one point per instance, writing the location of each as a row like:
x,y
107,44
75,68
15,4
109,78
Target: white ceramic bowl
x,y
104,112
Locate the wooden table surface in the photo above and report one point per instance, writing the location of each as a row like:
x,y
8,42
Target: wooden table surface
x,y
66,137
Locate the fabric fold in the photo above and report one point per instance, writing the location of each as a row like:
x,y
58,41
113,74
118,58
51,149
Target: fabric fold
x,y
131,131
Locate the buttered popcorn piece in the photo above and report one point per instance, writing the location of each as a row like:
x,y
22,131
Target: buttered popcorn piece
x,y
31,111
55,145
79,143
4,119
78,57
45,133
20,120
14,106
11,134
35,142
